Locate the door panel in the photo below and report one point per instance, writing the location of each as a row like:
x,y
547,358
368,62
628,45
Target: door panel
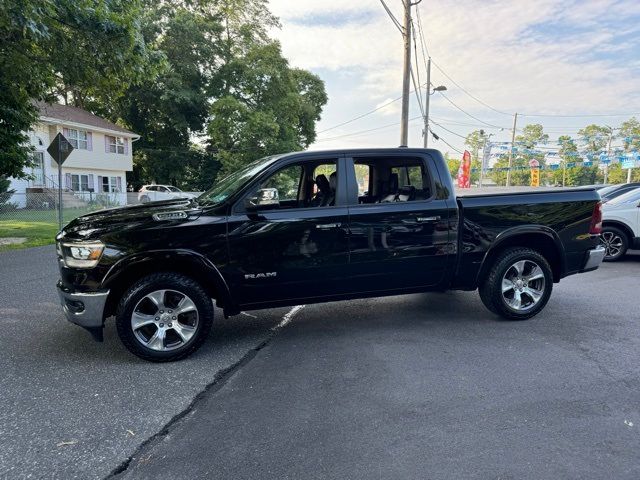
x,y
291,253
288,254
399,245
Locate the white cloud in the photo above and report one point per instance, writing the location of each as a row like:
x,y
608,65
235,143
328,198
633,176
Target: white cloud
x,y
492,48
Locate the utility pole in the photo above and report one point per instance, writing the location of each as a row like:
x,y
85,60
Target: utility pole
x,y
426,105
406,75
513,142
606,166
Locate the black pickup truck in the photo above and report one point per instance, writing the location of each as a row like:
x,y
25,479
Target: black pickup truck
x,y
314,227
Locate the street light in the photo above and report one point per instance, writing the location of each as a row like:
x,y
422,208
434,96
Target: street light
x,y
440,88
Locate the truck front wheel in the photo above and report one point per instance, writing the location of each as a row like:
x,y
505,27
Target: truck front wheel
x,y
518,285
164,317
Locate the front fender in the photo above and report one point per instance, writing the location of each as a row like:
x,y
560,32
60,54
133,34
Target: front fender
x,y
182,260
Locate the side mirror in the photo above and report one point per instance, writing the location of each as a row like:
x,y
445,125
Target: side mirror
x,y
264,199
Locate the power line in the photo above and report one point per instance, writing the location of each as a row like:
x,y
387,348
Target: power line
x,y
423,41
468,93
361,116
450,131
394,124
416,89
438,137
582,115
392,17
467,113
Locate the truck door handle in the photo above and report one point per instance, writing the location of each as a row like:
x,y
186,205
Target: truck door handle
x,y
428,219
328,226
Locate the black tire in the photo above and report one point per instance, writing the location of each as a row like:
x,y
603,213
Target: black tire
x,y
176,284
615,241
490,288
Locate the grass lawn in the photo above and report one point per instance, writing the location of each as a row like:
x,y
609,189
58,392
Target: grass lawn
x,y
36,233
39,227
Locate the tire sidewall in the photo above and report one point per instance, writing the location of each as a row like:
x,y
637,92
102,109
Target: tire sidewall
x,y
164,281
625,243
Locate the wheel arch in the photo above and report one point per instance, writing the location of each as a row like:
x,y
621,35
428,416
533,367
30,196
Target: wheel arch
x,y
620,226
541,239
128,270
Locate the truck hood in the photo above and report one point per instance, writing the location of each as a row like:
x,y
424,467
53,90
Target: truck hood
x,y
96,224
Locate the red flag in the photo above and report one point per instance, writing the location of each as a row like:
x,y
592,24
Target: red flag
x,y
464,172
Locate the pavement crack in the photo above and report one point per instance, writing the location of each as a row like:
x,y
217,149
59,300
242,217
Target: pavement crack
x,y
220,380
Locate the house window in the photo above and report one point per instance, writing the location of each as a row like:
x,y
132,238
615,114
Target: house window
x,y
115,144
79,183
78,138
110,184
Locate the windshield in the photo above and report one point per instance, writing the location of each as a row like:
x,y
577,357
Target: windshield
x,y
629,197
224,188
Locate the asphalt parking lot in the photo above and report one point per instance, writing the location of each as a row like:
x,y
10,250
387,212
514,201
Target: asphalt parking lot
x,y
421,386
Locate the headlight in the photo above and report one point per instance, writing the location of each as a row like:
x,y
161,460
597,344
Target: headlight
x,y
82,255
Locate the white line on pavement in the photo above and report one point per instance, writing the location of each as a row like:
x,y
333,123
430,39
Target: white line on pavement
x,y
288,317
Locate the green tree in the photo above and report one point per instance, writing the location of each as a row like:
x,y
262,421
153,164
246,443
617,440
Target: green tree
x,y
532,135
269,108
595,138
77,50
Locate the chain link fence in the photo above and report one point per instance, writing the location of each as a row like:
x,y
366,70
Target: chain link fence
x,y
31,218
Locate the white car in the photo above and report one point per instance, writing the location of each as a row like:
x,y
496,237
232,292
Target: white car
x,y
152,193
621,225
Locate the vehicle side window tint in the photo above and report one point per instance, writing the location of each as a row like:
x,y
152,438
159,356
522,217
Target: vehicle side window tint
x,y
392,179
287,182
324,185
412,183
363,174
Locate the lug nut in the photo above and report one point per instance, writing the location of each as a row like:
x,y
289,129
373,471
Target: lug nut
x,y
162,324
170,325
173,318
161,311
157,318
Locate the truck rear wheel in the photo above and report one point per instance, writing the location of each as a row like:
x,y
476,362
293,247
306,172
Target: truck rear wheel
x,y
518,285
164,317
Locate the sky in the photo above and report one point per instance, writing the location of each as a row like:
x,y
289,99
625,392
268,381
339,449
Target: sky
x,y
564,64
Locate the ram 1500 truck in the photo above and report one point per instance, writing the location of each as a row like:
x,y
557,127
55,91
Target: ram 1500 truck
x,y
314,227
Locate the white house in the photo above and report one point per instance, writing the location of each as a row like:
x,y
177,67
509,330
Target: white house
x,y
94,171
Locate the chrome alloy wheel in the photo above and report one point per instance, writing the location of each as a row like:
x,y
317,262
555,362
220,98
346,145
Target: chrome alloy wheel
x,y
523,285
612,242
164,320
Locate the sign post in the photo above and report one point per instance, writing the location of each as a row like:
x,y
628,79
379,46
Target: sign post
x,y
59,150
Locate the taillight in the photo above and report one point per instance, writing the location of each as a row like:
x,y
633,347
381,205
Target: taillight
x,y
596,220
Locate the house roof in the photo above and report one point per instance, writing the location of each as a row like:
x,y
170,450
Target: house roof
x,y
78,115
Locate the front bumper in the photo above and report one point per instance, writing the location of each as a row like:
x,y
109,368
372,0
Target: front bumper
x,y
594,258
84,309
